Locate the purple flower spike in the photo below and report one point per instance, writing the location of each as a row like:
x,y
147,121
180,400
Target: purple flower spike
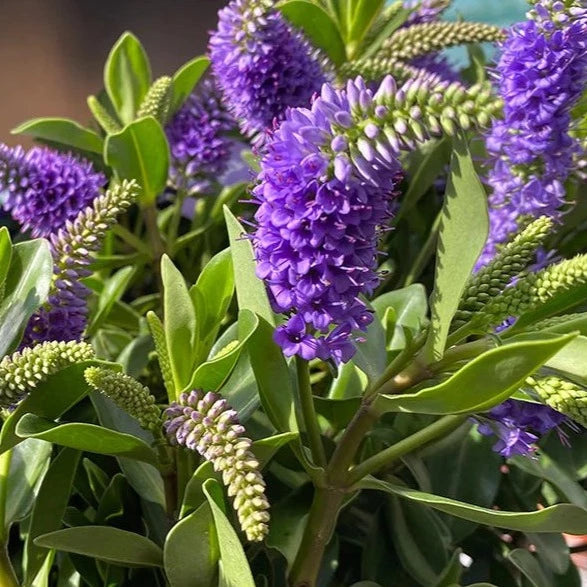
x,y
262,65
45,189
542,73
322,202
197,134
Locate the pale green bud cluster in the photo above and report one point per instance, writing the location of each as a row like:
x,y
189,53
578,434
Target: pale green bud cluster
x,y
157,101
555,321
128,394
22,371
535,290
511,260
562,395
420,39
102,116
158,334
377,67
203,422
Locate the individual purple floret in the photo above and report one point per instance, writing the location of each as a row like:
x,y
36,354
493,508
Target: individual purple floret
x,y
197,134
518,425
262,64
320,213
541,74
44,188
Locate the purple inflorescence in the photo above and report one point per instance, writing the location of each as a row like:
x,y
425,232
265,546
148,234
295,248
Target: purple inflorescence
x,y
262,65
44,188
198,140
323,198
518,425
541,72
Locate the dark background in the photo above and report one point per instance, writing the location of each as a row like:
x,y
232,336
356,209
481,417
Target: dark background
x,y
52,51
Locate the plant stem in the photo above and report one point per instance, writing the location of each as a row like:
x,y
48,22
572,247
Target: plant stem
x,y
5,460
175,218
310,419
384,458
7,574
319,528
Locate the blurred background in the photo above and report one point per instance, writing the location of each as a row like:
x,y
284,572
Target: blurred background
x,y
52,51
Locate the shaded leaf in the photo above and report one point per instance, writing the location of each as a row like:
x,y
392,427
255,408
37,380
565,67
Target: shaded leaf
x,y
185,80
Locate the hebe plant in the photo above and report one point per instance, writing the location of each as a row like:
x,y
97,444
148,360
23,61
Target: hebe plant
x,y
309,311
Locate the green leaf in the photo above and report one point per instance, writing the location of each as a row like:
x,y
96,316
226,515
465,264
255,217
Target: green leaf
x,y
529,566
463,231
552,551
114,288
363,14
338,411
409,305
269,365
557,518
391,26
266,448
51,398
127,76
234,568
5,257
211,296
50,507
212,374
250,290
426,164
179,323
570,360
481,384
371,355
63,131
191,550
86,437
185,80
140,151
28,464
193,496
318,27
107,544
26,288
451,574
577,324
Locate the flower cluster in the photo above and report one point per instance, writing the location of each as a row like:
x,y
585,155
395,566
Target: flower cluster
x,y
326,187
65,315
203,422
541,74
128,394
45,189
262,65
518,425
22,371
562,395
198,141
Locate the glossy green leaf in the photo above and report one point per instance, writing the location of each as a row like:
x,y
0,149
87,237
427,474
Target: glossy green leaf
x,y
234,568
26,287
529,567
350,382
318,27
62,131
371,355
265,448
5,256
212,374
410,305
398,19
577,324
28,464
570,360
241,388
451,574
86,437
50,506
127,76
426,164
107,544
363,14
114,288
337,411
50,399
211,296
179,323
552,551
191,550
557,518
481,384
193,496
185,80
140,151
463,231
250,290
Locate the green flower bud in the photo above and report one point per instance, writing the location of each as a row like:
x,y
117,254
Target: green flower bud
x,y
158,100
22,371
128,394
563,396
158,334
102,116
